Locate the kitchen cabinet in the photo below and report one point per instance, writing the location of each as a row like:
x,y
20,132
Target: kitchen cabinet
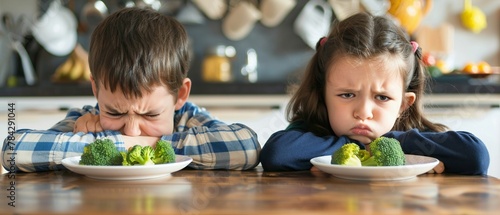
x,y
484,122
281,53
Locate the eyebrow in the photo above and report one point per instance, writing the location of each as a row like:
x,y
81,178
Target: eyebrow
x,y
113,110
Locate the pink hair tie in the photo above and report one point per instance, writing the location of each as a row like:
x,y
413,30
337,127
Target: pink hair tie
x,y
322,41
414,45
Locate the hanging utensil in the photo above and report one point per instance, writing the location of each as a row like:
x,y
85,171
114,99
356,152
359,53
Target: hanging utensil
x,y
14,33
313,22
56,30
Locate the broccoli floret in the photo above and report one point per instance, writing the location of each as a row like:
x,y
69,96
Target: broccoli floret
x,y
147,155
101,152
385,152
138,155
350,155
125,161
164,152
134,155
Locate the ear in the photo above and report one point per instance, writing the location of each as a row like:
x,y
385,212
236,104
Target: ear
x,y
94,87
183,94
408,100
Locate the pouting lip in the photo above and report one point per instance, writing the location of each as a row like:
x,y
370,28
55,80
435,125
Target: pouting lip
x,y
361,127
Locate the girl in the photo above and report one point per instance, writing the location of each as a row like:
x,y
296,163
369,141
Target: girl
x,y
366,80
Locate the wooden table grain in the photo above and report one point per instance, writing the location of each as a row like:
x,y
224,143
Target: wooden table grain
x,y
247,192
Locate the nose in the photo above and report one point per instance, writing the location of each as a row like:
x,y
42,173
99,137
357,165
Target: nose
x,y
364,110
132,127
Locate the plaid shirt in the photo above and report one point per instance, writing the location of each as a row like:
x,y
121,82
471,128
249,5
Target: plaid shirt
x,y
211,143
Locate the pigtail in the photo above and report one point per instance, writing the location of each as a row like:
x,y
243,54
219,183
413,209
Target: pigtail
x,y
413,117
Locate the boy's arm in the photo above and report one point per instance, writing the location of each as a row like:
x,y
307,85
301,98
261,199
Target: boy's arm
x,y
211,143
68,123
39,150
461,152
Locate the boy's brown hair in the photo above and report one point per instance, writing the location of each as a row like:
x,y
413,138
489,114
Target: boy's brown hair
x,y
136,49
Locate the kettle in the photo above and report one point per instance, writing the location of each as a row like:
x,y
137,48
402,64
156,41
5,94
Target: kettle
x,y
409,12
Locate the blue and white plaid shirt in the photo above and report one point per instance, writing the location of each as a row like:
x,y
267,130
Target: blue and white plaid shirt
x,y
211,143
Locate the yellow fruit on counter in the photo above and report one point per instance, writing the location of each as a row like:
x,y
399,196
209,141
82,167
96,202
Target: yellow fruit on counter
x,y
484,67
63,71
471,68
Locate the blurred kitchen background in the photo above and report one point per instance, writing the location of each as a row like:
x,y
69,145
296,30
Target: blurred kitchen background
x,y
247,53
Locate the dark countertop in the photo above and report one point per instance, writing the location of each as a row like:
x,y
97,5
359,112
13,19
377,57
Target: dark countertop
x,y
449,84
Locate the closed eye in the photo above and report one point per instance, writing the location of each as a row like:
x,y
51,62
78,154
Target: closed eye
x,y
152,115
115,114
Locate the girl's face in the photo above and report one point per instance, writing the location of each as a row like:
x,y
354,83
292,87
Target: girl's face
x,y
365,97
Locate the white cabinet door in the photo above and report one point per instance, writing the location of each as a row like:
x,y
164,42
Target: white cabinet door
x,y
484,122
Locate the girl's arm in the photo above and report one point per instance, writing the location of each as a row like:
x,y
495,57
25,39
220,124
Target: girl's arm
x,y
292,150
461,152
211,143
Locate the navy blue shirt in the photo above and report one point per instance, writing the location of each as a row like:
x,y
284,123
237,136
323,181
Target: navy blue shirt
x,y
461,152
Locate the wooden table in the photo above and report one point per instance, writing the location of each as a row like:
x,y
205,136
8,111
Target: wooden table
x,y
247,192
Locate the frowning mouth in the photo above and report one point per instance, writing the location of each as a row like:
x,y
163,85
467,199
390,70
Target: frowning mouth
x,y
361,130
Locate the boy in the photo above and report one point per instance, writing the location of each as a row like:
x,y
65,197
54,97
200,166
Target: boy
x,y
139,61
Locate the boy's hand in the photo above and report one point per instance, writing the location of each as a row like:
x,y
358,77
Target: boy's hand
x,y
130,141
87,123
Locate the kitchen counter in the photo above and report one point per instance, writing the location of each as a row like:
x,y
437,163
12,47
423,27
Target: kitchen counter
x,y
247,192
450,84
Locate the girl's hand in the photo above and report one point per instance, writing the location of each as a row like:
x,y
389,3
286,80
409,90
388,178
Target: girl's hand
x,y
87,123
438,169
130,141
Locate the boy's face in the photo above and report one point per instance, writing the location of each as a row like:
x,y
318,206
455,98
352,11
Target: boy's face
x,y
150,115
365,97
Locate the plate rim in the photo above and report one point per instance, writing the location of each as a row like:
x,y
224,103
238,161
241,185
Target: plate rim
x,y
324,167
101,172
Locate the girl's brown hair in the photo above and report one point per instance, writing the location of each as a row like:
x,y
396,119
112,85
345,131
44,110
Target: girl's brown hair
x,y
365,37
136,49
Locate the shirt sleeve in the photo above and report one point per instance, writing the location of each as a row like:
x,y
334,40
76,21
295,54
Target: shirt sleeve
x,y
292,149
461,152
211,143
41,150
68,123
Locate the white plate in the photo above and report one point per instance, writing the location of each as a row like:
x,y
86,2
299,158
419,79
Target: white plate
x,y
415,165
126,172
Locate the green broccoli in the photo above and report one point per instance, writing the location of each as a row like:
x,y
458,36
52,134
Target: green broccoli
x,y
350,155
138,155
101,152
164,152
125,161
385,152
